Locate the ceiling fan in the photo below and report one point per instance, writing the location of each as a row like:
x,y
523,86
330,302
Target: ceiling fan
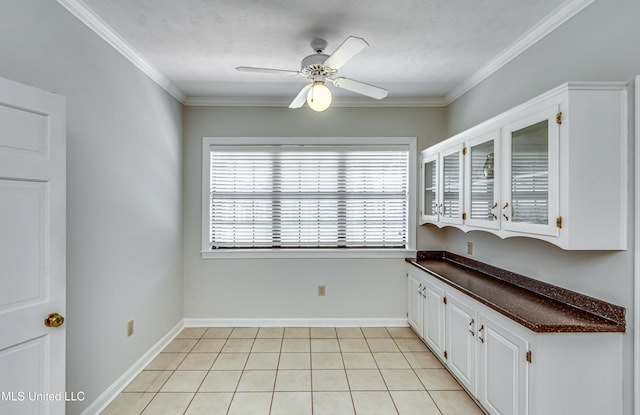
x,y
320,68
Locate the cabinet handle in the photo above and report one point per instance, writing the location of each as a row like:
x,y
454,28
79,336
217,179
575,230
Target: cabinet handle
x,y
506,205
480,333
471,327
424,291
495,205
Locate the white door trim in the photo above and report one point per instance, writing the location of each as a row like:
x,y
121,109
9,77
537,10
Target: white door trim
x,y
636,247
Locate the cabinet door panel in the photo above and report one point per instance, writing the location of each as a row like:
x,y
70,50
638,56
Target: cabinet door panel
x,y
502,369
461,342
531,173
482,181
415,301
451,173
434,312
429,194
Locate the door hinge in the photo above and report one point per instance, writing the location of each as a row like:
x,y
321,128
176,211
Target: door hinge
x,y
444,300
464,151
559,222
446,356
529,358
559,118
464,216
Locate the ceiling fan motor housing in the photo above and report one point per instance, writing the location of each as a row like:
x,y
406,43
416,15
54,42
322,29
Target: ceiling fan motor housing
x,y
314,65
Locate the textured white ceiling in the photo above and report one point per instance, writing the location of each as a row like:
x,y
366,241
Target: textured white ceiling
x,y
418,48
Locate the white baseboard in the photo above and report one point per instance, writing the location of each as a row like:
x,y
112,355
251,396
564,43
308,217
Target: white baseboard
x,y
296,322
118,386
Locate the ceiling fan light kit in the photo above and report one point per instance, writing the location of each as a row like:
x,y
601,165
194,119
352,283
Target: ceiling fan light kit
x,y
319,96
319,68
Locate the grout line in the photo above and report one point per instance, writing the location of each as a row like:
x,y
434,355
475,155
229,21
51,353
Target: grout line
x,y
308,352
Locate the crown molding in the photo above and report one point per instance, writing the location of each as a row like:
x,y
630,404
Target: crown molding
x,y
81,11
531,37
87,16
337,102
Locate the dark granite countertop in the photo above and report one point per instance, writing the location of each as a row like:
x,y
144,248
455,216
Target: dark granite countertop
x,y
538,306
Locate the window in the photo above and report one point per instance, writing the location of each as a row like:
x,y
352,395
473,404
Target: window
x,y
305,195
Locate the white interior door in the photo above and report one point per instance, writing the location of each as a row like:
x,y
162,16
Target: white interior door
x,y
32,250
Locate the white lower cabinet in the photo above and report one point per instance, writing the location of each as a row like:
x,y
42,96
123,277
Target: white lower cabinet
x,y
415,300
502,370
460,319
433,329
509,369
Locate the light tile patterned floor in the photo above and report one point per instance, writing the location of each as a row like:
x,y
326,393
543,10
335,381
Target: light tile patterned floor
x,y
294,371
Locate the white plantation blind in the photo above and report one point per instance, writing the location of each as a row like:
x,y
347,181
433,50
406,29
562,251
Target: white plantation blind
x,y
530,174
451,186
482,181
311,196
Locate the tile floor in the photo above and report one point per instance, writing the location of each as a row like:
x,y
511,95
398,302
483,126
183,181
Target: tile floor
x,y
294,371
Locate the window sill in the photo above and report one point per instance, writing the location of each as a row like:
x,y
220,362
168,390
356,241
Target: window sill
x,y
309,253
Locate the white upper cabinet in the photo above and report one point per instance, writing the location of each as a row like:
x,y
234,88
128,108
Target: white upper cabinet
x,y
451,172
429,209
530,179
554,168
442,186
483,161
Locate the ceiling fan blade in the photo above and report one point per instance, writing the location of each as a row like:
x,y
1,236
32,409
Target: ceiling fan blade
x,y
360,87
301,98
349,48
267,70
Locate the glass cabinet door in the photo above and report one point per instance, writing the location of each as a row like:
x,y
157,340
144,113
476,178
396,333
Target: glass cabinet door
x,y
429,211
532,174
451,193
482,181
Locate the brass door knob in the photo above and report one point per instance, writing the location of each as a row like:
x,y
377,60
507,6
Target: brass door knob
x,y
53,320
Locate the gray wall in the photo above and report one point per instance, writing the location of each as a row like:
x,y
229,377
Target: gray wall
x,y
599,44
124,190
126,182
286,288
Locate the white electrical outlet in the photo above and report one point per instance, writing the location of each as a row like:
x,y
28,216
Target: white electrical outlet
x,y
469,247
129,328
322,290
